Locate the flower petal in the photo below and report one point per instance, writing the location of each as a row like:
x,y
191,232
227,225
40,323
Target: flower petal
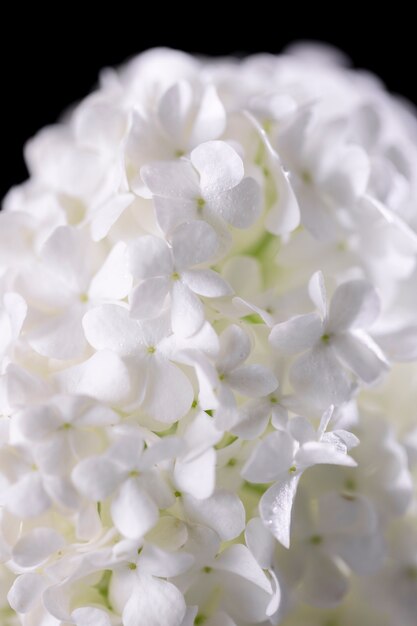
x,y
237,559
206,283
275,508
154,602
174,110
219,165
187,311
26,591
193,243
133,511
36,546
367,363
355,304
240,206
109,327
319,377
235,347
252,381
271,457
169,393
297,334
113,280
197,477
97,477
147,299
171,179
90,616
222,512
150,256
27,497
210,121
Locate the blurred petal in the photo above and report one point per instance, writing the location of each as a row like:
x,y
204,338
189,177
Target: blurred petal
x,y
297,334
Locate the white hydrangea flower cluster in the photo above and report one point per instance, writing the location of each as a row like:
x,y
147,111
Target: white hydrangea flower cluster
x,y
208,352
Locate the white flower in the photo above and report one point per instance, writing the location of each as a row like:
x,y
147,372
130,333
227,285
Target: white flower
x,y
211,185
332,340
167,270
283,456
157,348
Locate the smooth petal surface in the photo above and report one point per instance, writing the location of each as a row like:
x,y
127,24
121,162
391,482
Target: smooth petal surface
x,y
297,334
234,348
206,283
154,602
147,299
320,377
109,327
171,179
271,458
223,512
187,312
355,304
193,243
133,512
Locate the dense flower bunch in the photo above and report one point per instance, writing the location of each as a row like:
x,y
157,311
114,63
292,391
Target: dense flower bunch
x,y
208,345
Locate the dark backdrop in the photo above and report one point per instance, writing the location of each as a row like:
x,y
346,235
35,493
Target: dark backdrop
x,y
48,62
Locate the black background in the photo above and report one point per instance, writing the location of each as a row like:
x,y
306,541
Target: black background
x,y
50,61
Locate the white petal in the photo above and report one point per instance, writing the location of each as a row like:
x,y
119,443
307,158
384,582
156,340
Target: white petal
x,y
260,542
61,336
206,283
349,179
174,109
90,616
26,592
154,602
169,393
187,311
235,348
133,511
197,477
324,583
219,166
301,429
222,512
113,280
108,213
297,334
317,293
171,179
364,555
320,378
113,386
355,304
147,299
210,120
35,423
172,212
193,243
162,563
16,309
252,381
96,477
399,345
150,256
275,508
237,559
65,253
27,498
314,452
109,327
271,457
36,546
240,206
360,357
284,215
353,515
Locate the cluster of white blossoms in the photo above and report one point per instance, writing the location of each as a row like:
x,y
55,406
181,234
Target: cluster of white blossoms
x,y
208,352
